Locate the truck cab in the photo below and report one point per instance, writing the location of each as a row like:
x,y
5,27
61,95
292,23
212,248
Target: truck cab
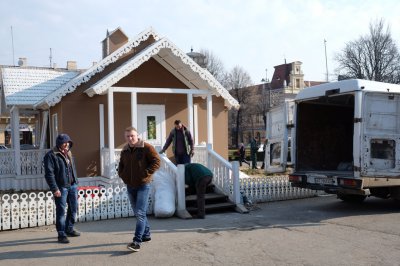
x,y
345,139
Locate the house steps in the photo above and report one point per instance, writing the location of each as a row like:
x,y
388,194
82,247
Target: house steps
x,y
214,202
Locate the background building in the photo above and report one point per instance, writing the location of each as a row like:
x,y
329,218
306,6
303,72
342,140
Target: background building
x,y
286,82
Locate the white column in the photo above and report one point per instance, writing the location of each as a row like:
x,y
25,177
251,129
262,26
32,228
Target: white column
x,y
134,119
210,138
45,121
15,139
196,125
180,188
101,123
110,102
190,112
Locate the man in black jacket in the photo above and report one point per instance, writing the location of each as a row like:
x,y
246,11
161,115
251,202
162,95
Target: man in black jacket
x,y
60,174
182,143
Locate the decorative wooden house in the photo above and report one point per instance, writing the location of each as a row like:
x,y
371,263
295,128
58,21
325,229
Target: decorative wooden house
x,y
146,82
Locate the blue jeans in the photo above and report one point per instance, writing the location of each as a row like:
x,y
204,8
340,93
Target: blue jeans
x,y
182,158
68,196
139,199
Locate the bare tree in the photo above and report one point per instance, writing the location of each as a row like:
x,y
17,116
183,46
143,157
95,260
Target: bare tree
x,y
374,56
215,66
237,79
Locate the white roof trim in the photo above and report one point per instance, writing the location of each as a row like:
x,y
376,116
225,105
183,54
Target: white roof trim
x,y
56,96
105,83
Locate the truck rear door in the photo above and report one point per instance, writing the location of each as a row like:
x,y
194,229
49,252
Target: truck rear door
x,y
381,135
277,134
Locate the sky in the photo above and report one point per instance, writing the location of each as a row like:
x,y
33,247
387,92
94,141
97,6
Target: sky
x,y
253,34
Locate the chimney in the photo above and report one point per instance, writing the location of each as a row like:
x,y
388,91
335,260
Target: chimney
x,y
23,62
71,65
106,45
113,41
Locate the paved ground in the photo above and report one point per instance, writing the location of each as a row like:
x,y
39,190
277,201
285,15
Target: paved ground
x,y
316,231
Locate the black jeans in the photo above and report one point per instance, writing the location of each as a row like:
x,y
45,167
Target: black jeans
x,y
201,187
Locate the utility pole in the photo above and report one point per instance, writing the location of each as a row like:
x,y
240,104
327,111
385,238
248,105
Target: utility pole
x,y
12,44
51,58
326,63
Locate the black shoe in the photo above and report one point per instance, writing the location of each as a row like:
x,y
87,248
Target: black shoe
x,y
146,239
63,240
73,233
135,247
196,216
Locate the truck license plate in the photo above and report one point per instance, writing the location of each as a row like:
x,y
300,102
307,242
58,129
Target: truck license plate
x,y
324,180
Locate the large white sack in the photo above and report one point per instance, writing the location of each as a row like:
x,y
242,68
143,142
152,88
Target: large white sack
x,y
164,194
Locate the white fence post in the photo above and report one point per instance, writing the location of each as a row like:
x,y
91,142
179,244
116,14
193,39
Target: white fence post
x,y
5,212
236,182
180,193
24,210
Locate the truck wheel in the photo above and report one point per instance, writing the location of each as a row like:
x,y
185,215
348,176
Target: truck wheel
x,y
352,198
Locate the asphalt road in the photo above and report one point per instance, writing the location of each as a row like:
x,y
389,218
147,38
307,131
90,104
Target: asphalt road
x,y
315,231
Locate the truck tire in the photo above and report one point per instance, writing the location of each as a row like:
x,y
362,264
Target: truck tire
x,y
352,198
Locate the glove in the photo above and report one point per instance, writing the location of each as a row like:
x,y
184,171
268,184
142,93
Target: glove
x,y
161,151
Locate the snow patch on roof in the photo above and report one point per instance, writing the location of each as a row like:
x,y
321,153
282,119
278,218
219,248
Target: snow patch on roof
x,y
27,86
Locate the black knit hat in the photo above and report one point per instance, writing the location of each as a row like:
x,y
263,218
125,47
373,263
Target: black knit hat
x,y
63,138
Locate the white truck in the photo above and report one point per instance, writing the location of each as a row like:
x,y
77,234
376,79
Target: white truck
x,y
345,139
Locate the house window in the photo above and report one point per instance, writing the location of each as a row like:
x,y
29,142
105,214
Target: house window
x,y
298,83
54,128
151,128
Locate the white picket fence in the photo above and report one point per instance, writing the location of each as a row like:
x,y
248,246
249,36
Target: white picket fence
x,y
267,188
37,209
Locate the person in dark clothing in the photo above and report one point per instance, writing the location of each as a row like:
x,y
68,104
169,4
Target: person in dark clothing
x,y
139,160
198,177
60,174
264,150
253,153
242,155
182,143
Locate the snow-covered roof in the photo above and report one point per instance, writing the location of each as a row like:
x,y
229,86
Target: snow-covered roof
x,y
26,86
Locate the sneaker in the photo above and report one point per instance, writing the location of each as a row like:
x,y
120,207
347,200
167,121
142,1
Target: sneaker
x,y
146,239
73,233
135,247
63,240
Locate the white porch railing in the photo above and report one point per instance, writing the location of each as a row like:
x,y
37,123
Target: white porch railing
x,y
257,189
7,164
226,175
31,162
200,154
105,166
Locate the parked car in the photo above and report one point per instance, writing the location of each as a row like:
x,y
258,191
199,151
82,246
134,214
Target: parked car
x,y
27,147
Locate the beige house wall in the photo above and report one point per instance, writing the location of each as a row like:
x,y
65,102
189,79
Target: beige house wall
x,y
78,114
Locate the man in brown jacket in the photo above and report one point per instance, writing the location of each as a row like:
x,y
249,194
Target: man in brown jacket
x,y
139,161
